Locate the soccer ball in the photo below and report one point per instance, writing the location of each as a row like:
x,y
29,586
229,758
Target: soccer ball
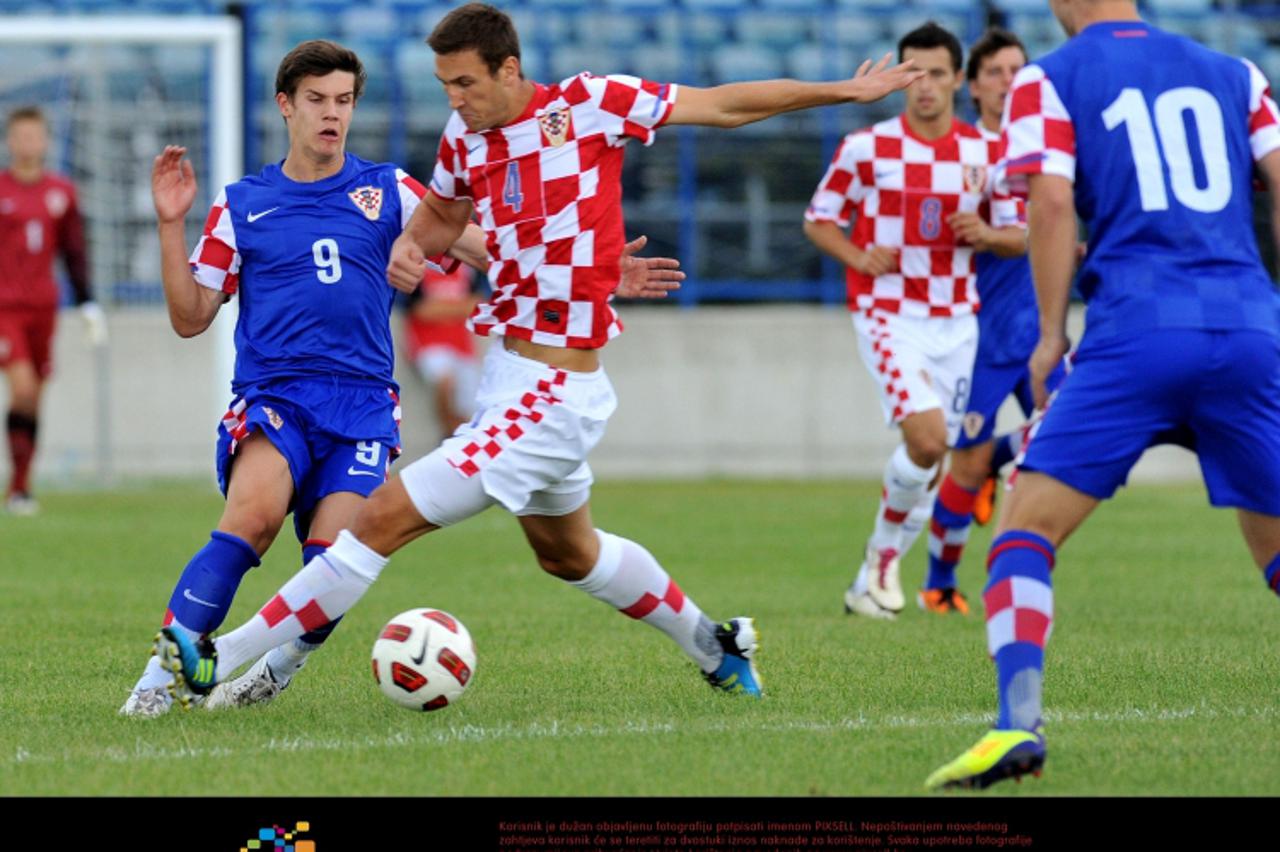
x,y
424,659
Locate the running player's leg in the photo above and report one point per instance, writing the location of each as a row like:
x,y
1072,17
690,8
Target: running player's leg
x,y
623,574
22,422
258,496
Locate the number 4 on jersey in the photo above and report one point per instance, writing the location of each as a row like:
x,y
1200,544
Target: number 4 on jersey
x,y
511,195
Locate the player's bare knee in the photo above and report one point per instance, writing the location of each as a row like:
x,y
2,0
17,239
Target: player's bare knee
x,y
927,450
257,528
568,566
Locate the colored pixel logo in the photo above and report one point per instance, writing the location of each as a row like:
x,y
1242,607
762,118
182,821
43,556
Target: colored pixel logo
x,y
277,839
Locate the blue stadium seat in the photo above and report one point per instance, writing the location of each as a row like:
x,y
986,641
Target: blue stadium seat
x,y
610,29
773,29
655,62
734,63
1183,6
369,24
694,30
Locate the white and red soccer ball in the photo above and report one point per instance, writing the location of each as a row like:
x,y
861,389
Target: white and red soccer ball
x,y
424,659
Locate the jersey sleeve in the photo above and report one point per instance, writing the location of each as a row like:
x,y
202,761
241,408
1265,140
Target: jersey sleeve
x,y
1038,137
449,180
624,107
215,262
71,241
841,188
411,195
1264,118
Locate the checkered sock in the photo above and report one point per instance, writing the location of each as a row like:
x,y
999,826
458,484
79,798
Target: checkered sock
x,y
1019,604
948,532
285,660
917,519
1272,574
629,579
326,588
905,484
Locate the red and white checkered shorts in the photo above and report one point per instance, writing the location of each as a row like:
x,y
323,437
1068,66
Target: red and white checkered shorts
x,y
919,363
526,446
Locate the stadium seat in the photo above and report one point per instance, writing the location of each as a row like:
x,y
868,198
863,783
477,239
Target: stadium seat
x,y
773,29
655,62
692,30
734,63
610,29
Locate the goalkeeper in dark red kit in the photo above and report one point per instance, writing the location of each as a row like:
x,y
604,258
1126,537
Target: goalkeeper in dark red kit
x,y
39,220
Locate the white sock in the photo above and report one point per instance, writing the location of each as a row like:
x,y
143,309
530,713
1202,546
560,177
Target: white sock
x,y
153,676
285,660
905,483
326,588
918,519
629,579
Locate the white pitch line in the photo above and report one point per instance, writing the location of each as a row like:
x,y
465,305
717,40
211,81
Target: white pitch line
x,y
143,750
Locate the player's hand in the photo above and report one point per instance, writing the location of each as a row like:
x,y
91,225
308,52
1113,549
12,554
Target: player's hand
x,y
872,82
647,277
1046,356
173,184
95,323
970,230
407,265
877,260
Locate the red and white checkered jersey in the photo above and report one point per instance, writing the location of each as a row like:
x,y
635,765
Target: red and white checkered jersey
x,y
215,261
900,189
547,190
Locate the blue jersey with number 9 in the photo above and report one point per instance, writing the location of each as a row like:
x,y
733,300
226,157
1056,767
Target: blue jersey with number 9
x,y
308,261
1159,136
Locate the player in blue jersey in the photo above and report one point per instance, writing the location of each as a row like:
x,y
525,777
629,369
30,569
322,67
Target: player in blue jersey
x,y
1153,140
314,422
1006,337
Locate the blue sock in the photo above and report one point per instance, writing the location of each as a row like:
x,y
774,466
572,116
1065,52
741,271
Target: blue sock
x,y
208,584
1019,605
1006,450
948,533
311,548
1272,574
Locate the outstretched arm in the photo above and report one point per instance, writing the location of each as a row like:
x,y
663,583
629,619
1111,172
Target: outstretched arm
x,y
173,190
736,104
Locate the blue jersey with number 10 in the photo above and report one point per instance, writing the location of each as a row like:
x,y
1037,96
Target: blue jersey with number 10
x,y
1159,135
309,263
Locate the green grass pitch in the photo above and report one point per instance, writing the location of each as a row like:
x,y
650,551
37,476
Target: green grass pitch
x,y
1163,670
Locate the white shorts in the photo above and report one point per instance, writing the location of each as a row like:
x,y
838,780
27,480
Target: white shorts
x,y
441,362
526,447
919,363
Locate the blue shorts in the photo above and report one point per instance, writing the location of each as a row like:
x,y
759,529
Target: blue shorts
x,y
991,385
335,435
1216,391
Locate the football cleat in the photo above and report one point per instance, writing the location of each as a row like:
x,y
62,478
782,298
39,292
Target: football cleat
x,y
999,755
984,504
147,703
884,586
942,601
737,673
862,604
193,663
21,505
256,686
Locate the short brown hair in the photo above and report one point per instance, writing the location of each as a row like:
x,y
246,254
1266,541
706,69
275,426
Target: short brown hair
x,y
479,27
991,42
30,112
318,58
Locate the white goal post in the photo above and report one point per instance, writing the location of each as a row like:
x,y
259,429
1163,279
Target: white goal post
x,y
218,42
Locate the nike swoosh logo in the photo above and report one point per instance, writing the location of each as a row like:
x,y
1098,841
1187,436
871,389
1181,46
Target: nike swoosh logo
x,y
186,593
422,655
253,217
477,148
351,471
